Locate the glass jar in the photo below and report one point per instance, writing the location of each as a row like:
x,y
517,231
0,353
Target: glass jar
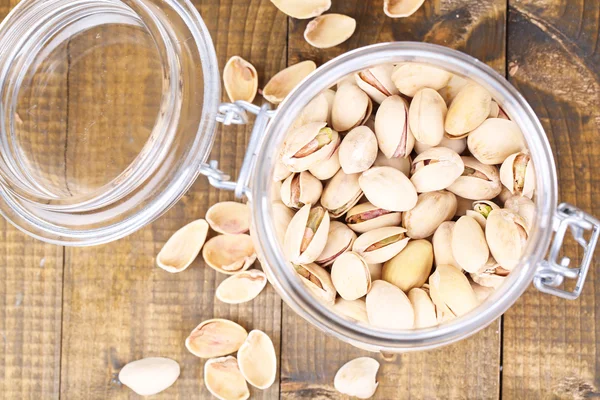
x,y
146,172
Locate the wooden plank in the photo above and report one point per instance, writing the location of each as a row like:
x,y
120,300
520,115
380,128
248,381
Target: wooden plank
x,y
470,368
551,345
119,307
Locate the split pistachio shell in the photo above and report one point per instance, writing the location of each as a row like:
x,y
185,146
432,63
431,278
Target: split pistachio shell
x,y
150,375
301,188
388,188
357,378
215,338
469,246
524,207
462,206
401,164
281,171
315,111
436,169
358,150
392,128
341,193
308,145
506,234
457,145
411,267
424,308
282,216
442,245
375,270
468,110
229,254
377,82
286,80
494,140
241,287
350,276
318,281
454,289
517,174
478,181
355,310
183,247
431,210
409,78
494,110
481,210
481,292
365,217
491,276
401,8
302,9
380,245
443,313
229,217
453,87
326,169
388,307
306,234
240,80
351,107
426,116
257,360
224,380
340,239
329,30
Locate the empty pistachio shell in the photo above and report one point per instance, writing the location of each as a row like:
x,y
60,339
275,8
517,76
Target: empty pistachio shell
x,y
506,234
410,77
411,267
357,378
518,175
229,217
326,169
241,287
524,207
426,116
282,216
358,150
494,110
240,79
462,206
453,87
401,8
478,181
215,338
350,276
355,310
442,245
379,245
469,246
341,193
388,307
375,270
457,145
150,375
281,171
286,80
308,145
481,210
301,188
481,292
229,254
257,360
494,140
224,380
454,289
436,169
339,240
425,315
351,107
317,110
318,281
365,217
388,188
431,210
377,82
443,313
183,247
329,30
468,110
302,9
392,128
401,164
306,235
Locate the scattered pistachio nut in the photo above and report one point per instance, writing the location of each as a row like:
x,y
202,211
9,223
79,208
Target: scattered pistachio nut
x,y
229,254
381,244
442,245
215,338
326,169
377,82
431,210
355,310
400,163
341,193
301,188
358,150
351,276
366,217
318,281
506,233
306,235
351,107
517,174
149,376
308,145
241,287
280,85
436,169
183,247
229,217
426,116
388,307
411,267
388,188
425,315
453,289
302,9
329,30
469,245
494,140
339,240
410,77
357,378
257,360
468,110
223,379
478,181
392,128
401,8
240,80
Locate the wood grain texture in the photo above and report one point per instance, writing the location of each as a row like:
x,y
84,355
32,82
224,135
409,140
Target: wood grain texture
x,y
551,345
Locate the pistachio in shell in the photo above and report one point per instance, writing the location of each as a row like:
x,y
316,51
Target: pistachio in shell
x,y
453,289
424,308
380,245
401,8
494,140
329,96
358,150
478,181
431,210
494,110
282,216
481,292
492,275
340,239
518,175
223,379
400,163
426,116
241,287
453,87
183,247
442,245
457,145
357,378
229,254
523,206
350,276
469,246
215,338
308,145
410,77
302,9
329,30
149,376
275,192
286,80
229,217
388,307
377,82
481,210
317,110
436,169
506,234
442,312
351,107
281,171
388,188
318,281
301,188
257,360
341,193
375,270
355,310
411,267
392,128
240,80
306,235
468,110
365,217
326,169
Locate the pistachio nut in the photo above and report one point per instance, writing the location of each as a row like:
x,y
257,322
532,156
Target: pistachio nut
x,y
358,150
375,270
183,247
275,191
241,287
491,275
229,254
365,217
457,145
494,140
240,80
410,77
223,379
478,181
468,110
306,235
341,193
442,312
309,145
281,171
318,281
431,210
453,289
348,79
506,234
424,308
302,9
494,110
317,110
380,245
401,8
329,30
301,188
392,128
355,310
282,216
462,206
257,360
329,96
377,82
481,292
524,207
426,116
339,240
357,378
453,87
326,169
411,267
401,164
388,307
215,338
436,169
388,188
286,80
469,246
518,175
442,245
481,210
350,276
229,217
351,107
150,375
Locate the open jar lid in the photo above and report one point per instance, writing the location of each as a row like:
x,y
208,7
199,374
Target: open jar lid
x,y
107,111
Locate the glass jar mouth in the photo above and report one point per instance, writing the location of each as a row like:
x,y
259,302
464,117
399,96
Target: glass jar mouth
x,y
288,285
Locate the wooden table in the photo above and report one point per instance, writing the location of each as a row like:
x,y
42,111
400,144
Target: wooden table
x,y
71,318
